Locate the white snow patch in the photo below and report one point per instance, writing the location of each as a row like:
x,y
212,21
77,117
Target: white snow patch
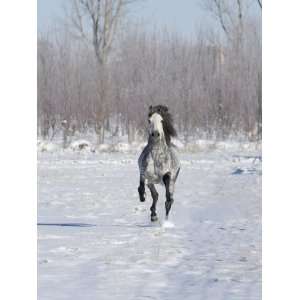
x,y
104,148
168,224
81,145
120,146
178,144
45,146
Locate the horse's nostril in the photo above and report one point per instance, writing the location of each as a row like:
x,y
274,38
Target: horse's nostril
x,y
155,134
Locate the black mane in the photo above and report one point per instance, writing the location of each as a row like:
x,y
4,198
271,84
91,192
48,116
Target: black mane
x,y
168,127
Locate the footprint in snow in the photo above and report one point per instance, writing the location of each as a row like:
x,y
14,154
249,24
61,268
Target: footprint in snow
x,y
243,259
139,209
43,261
65,249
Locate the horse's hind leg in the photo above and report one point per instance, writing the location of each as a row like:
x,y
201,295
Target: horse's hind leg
x,y
154,195
169,184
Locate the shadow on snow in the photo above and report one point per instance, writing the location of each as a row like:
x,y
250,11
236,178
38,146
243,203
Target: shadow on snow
x,y
99,225
67,224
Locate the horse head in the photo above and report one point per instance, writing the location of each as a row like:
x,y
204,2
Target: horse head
x,y
166,121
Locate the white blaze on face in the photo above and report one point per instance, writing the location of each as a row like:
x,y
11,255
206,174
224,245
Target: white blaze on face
x,y
155,125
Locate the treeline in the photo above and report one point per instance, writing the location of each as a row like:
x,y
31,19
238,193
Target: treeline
x,y
211,83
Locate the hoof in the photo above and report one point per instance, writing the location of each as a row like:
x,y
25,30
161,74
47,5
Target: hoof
x,y
154,218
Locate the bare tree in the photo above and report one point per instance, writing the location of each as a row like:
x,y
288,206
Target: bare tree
x,y
46,70
222,12
229,14
97,22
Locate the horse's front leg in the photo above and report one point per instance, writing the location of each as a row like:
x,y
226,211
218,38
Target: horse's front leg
x,y
141,189
169,184
154,195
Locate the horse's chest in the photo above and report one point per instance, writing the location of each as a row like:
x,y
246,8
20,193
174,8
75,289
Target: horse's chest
x,y
158,166
161,163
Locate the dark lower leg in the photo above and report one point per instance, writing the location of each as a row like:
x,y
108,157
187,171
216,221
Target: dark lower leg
x,y
169,193
141,190
154,195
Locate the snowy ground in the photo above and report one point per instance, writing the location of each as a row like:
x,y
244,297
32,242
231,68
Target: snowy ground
x,y
95,240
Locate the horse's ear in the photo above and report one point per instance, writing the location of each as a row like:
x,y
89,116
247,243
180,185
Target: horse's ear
x,y
151,110
163,108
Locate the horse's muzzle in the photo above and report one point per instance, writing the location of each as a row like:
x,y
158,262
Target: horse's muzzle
x,y
155,134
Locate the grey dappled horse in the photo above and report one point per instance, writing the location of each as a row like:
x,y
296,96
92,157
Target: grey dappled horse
x,y
158,163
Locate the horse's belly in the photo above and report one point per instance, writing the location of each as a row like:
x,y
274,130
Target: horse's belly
x,y
155,174
162,168
153,179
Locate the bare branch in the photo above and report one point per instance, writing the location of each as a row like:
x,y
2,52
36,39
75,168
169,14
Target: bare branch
x,y
98,21
220,15
259,3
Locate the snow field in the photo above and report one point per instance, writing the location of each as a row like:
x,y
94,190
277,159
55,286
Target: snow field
x,y
96,241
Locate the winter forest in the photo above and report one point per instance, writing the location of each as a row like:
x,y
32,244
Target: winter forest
x,y
98,71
